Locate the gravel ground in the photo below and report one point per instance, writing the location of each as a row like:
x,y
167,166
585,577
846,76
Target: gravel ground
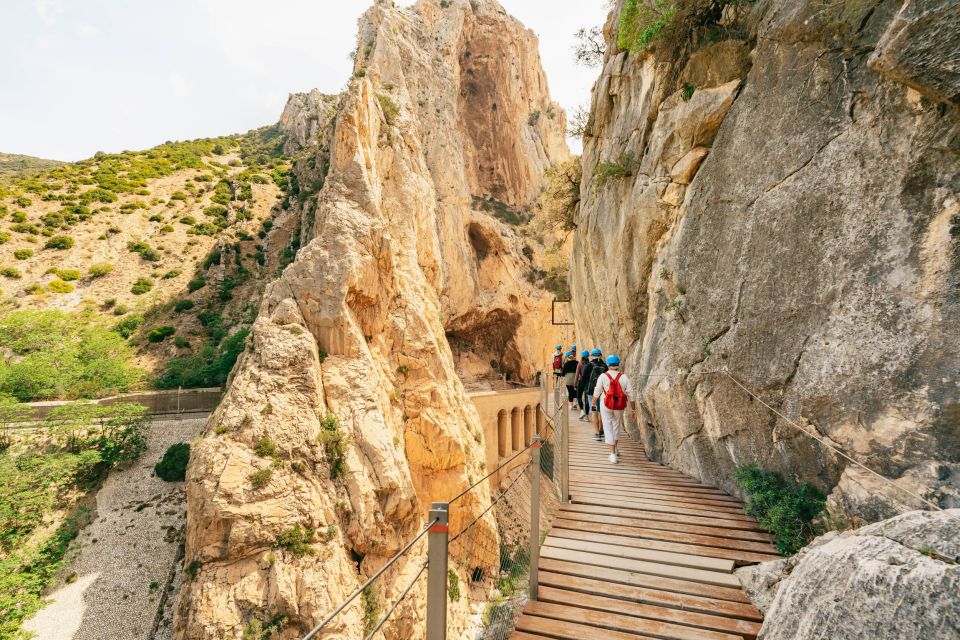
x,y
127,563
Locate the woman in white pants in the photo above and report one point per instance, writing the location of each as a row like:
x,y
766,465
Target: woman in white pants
x,y
613,418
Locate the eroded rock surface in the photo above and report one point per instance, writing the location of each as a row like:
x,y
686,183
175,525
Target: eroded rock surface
x,y
792,217
894,579
398,260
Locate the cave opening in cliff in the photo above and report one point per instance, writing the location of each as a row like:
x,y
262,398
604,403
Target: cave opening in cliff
x,y
484,346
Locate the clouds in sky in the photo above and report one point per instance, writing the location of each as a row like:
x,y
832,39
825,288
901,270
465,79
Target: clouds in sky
x,y
111,75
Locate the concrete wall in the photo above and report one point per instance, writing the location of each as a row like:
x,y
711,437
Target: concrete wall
x,y
158,402
509,419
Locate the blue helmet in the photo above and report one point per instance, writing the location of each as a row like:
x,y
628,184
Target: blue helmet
x,y
613,360
573,347
584,354
570,353
596,352
559,347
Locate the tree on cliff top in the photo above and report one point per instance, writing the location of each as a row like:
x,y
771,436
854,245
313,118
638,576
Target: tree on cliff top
x,y
560,201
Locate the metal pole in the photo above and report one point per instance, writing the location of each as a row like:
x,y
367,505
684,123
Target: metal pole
x,y
565,454
534,516
437,540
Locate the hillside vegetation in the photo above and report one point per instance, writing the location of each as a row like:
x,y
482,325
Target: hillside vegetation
x,y
154,258
13,164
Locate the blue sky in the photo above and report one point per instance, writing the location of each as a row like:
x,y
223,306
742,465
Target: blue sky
x,y
80,76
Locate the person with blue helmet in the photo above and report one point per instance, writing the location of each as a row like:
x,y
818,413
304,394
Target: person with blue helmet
x,y
596,370
582,384
581,401
614,394
569,373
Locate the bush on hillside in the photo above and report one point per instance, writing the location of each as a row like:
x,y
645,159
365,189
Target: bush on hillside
x,y
208,367
23,254
183,305
129,325
141,286
59,242
11,272
68,275
59,286
173,465
159,334
99,269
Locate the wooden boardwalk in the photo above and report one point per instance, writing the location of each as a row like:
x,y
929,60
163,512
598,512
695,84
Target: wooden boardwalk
x,y
642,551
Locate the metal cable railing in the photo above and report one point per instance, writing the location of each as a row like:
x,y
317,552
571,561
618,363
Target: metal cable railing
x,y
479,576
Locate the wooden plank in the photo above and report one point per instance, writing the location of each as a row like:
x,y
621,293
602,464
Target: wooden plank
x,y
643,485
679,495
620,622
624,551
668,536
745,628
659,514
635,579
702,576
600,497
612,477
594,535
564,630
667,525
686,602
519,635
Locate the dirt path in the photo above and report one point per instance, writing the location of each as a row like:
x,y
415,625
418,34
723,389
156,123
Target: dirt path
x,y
126,563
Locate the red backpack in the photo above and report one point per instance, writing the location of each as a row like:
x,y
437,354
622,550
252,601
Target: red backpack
x,y
615,399
558,362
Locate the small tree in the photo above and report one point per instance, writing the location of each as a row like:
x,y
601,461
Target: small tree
x,y
12,413
560,201
590,47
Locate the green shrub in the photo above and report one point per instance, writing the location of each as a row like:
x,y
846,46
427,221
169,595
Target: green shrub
x,y
5,238
10,272
166,229
296,540
159,334
453,585
120,309
181,343
212,258
625,166
59,242
334,445
173,273
261,477
99,269
141,286
19,216
23,201
188,220
266,448
173,465
59,286
389,107
35,289
195,284
69,274
30,229
22,254
642,23
783,508
178,195
203,229
183,305
129,325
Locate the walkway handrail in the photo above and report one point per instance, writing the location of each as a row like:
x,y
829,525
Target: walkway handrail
x,y
377,574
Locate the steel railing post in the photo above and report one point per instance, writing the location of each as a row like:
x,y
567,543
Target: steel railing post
x,y
565,454
534,516
437,540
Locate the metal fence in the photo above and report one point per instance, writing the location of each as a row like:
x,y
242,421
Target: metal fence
x,y
477,578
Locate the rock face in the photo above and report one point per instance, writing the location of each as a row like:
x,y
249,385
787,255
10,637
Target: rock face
x,y
396,264
791,215
890,580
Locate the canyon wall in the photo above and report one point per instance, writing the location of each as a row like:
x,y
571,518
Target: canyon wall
x,y
780,201
345,417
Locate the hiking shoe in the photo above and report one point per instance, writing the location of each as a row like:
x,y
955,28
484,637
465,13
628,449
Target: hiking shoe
x,y
583,415
596,437
613,458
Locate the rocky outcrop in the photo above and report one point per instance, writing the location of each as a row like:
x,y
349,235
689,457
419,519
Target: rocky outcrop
x,y
789,216
397,261
890,580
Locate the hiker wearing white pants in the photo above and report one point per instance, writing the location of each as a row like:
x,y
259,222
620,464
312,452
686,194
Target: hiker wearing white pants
x,y
614,394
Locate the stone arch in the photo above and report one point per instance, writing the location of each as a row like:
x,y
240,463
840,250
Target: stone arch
x,y
503,433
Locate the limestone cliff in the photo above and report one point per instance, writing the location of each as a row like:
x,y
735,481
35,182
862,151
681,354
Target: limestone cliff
x,y
777,197
398,259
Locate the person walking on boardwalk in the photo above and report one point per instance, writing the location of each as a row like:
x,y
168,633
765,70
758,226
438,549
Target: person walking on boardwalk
x,y
569,374
614,394
597,369
585,398
557,365
581,403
